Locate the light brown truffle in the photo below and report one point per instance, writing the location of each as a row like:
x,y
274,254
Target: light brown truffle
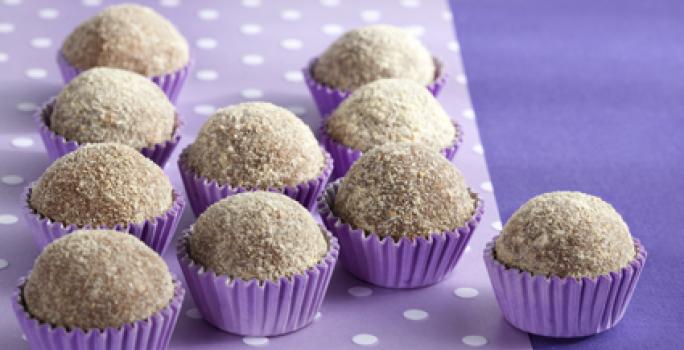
x,y
260,235
102,184
566,234
97,279
369,53
403,190
113,105
127,36
255,145
391,111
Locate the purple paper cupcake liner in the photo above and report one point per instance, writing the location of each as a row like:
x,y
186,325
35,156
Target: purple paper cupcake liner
x,y
57,146
344,157
153,333
202,192
255,308
327,98
563,307
171,83
156,233
408,263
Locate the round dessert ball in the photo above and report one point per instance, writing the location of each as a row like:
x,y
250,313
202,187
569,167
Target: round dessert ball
x,y
113,105
404,190
566,234
102,184
97,279
369,53
260,235
127,36
390,111
255,145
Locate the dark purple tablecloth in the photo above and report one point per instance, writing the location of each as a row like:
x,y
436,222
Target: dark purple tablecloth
x,y
589,96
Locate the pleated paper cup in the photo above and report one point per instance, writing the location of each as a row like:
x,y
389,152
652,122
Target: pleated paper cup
x,y
563,307
407,263
153,333
256,308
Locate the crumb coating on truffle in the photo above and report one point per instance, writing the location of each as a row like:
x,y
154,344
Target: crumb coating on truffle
x,y
260,235
255,145
369,53
127,36
404,190
102,184
391,111
97,279
566,234
113,105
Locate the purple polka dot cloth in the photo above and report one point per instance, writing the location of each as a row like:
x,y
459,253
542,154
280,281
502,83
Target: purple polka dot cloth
x,y
250,50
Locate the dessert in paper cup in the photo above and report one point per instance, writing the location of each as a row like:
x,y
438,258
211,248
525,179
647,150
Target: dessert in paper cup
x,y
565,265
403,216
257,264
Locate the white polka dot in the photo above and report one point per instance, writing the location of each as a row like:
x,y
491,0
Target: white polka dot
x,y
27,106
360,291
22,142
474,340
487,186
255,341
36,73
330,3
252,93
447,15
294,76
497,225
207,75
41,43
204,109
415,30
290,15
468,114
365,339
23,337
453,46
410,3
332,29
193,313
252,59
208,14
4,57
169,3
7,219
206,43
3,264
478,149
370,16
467,249
291,44
415,314
91,3
251,3
297,110
318,316
250,29
12,2
6,27
466,292
461,78
12,179
48,13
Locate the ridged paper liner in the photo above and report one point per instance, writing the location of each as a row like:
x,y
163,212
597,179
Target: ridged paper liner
x,y
156,233
344,157
202,192
563,307
57,146
408,263
254,308
170,83
153,333
328,98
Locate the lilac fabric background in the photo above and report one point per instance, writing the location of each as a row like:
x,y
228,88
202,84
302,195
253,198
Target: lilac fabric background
x,y
589,95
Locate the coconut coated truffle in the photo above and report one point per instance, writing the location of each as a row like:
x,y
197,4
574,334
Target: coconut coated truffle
x,y
404,190
97,279
255,145
369,53
390,111
566,234
102,184
260,235
113,105
127,36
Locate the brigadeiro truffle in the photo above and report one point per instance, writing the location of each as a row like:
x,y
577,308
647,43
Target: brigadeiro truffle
x,y
571,247
131,37
400,206
247,248
104,185
110,105
253,146
387,111
366,54
101,286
